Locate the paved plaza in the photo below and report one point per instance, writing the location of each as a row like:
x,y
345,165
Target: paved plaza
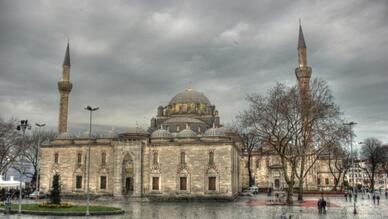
x,y
243,208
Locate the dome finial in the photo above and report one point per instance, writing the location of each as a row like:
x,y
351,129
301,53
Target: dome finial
x,y
189,86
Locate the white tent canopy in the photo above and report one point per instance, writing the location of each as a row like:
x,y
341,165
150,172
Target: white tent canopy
x,y
10,184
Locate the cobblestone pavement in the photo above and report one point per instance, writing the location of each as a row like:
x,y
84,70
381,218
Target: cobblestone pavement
x,y
242,208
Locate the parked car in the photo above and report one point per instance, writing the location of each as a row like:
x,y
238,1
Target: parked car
x,y
253,189
36,195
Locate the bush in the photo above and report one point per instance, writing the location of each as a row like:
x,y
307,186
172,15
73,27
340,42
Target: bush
x,y
50,205
55,195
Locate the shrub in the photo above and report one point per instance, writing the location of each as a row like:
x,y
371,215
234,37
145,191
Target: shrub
x,y
55,195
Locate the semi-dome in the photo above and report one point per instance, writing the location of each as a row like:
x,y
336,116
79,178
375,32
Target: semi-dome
x,y
186,133
109,134
64,135
161,133
189,96
214,132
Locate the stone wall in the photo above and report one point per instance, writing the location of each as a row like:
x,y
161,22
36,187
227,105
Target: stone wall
x,y
196,168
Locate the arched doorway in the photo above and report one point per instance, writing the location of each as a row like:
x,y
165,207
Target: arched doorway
x,y
127,175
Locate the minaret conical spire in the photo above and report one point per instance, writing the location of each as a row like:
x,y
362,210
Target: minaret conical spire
x,y
66,60
302,50
301,42
64,88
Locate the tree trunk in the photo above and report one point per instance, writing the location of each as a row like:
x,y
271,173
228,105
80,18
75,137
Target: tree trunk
x,y
249,170
290,193
300,192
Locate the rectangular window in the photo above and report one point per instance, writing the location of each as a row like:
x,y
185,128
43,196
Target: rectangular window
x,y
319,181
102,182
155,183
78,182
212,183
56,157
79,158
327,181
183,183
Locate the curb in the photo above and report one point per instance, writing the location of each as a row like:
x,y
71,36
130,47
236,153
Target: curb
x,y
53,213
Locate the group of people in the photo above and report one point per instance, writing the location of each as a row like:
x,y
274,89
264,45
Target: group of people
x,y
322,206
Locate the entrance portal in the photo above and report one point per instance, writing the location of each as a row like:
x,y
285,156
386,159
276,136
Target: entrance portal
x,y
128,185
127,175
277,183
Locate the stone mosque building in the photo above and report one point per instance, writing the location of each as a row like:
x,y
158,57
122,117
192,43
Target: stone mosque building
x,y
184,154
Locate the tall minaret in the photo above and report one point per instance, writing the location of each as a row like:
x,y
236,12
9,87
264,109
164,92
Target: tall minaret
x,y
303,72
64,87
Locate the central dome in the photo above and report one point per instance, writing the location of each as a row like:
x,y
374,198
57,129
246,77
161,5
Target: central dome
x,y
189,96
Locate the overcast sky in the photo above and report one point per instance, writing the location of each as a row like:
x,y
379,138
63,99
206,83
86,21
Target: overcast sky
x,y
128,57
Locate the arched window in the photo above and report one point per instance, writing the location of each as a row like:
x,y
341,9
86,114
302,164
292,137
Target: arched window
x,y
211,157
155,158
103,158
183,157
56,158
258,163
79,158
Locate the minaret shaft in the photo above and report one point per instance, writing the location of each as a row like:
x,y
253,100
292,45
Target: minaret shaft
x,y
64,87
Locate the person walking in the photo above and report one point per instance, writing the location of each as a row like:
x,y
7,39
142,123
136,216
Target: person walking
x,y
323,203
374,198
378,199
346,196
319,204
386,194
350,197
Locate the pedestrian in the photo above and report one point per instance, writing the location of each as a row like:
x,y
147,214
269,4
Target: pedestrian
x,y
378,199
386,194
323,203
350,197
374,198
319,204
355,197
368,195
346,196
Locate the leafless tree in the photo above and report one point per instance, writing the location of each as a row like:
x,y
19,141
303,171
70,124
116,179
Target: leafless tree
x,y
250,141
339,163
10,141
372,154
298,130
30,151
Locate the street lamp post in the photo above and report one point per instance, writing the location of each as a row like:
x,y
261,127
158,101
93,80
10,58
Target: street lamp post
x,y
350,124
40,125
22,127
90,109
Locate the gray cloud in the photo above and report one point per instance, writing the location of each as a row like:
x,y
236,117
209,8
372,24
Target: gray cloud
x,y
128,57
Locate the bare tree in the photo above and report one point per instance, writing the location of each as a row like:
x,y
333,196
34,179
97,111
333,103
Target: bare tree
x,y
30,152
372,154
339,163
250,142
10,141
298,133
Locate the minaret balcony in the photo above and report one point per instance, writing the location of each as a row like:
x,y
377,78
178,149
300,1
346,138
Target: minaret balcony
x,y
65,86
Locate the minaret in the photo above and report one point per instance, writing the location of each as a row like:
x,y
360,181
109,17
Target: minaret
x,y
303,72
64,87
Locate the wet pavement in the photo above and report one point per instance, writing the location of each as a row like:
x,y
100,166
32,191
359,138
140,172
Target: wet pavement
x,y
243,208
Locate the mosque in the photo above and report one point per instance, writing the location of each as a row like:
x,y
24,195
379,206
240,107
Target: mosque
x,y
184,154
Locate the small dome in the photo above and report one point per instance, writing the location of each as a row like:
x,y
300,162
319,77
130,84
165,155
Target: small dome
x,y
190,96
109,134
215,132
161,133
84,134
186,133
64,135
